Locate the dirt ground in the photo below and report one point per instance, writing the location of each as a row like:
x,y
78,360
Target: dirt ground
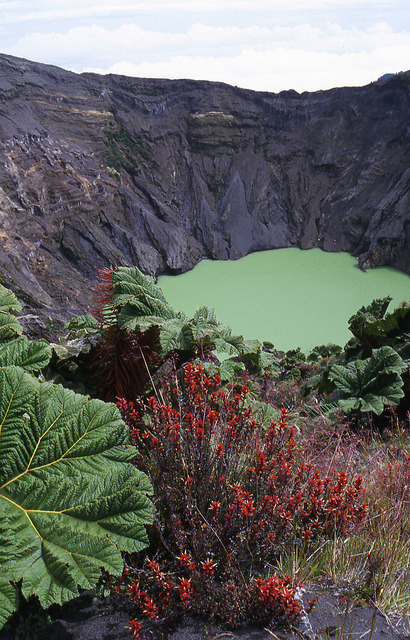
x,y
86,618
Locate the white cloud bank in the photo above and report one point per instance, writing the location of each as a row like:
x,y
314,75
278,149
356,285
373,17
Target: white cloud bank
x,y
273,70
28,10
301,57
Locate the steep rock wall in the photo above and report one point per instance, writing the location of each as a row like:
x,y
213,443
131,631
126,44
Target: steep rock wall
x,y
98,170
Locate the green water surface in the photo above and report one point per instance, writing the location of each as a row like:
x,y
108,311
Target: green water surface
x,y
286,296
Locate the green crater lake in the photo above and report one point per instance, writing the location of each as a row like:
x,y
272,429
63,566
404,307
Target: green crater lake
x,y
288,297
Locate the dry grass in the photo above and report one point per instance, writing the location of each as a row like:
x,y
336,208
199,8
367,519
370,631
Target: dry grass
x,y
374,559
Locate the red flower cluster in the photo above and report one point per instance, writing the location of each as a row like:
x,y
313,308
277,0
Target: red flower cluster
x,y
208,568
185,590
259,602
278,595
147,605
185,560
135,627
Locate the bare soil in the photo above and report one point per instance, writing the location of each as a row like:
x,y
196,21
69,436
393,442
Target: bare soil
x,y
87,618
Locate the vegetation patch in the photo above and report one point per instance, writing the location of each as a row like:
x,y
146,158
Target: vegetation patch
x,y
254,476
69,497
125,151
230,496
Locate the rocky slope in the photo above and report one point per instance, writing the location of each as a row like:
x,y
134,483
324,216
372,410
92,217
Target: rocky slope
x,y
98,170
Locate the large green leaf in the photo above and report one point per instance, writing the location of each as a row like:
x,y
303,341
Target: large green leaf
x,y
131,322
229,369
69,497
67,349
358,323
370,384
8,600
251,347
31,355
136,296
263,412
352,404
83,336
176,334
141,303
371,325
263,360
403,347
82,323
225,342
204,323
323,351
130,280
8,591
8,301
10,327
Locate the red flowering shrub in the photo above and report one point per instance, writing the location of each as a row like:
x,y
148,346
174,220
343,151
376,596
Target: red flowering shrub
x,y
229,497
165,592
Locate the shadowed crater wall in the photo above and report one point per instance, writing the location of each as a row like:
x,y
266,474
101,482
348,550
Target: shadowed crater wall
x,y
99,170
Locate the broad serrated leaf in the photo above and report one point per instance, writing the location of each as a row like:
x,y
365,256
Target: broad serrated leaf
x,y
31,355
403,349
85,322
389,323
263,412
10,327
372,322
66,349
131,279
143,308
139,303
372,403
175,334
131,322
229,368
345,377
372,383
323,351
311,383
225,342
204,323
8,301
136,295
69,497
266,359
251,347
349,404
8,600
368,314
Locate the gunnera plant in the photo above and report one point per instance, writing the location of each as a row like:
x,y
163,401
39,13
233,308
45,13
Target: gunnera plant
x,y
69,497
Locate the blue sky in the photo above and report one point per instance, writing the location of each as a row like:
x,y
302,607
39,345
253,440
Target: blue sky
x,y
267,45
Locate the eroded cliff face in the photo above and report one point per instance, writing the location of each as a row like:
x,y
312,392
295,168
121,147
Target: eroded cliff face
x,y
99,170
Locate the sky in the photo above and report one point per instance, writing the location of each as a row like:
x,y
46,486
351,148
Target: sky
x,y
266,45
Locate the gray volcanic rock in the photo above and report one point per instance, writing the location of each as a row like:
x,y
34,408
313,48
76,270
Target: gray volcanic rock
x,y
99,170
